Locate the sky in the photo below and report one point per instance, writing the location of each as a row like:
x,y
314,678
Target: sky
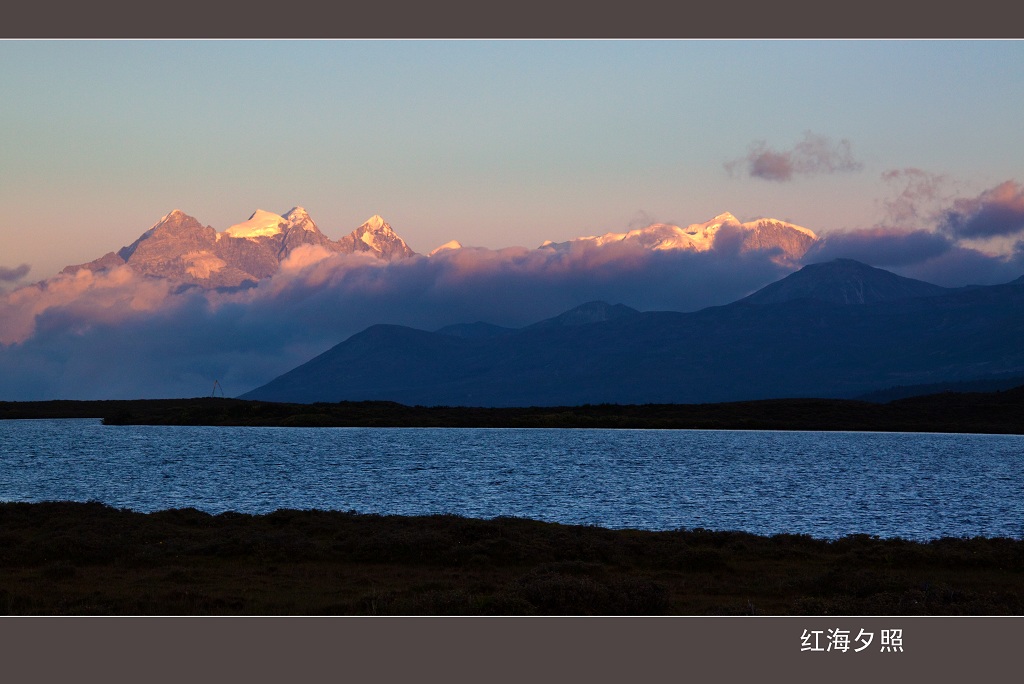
x,y
906,155
492,143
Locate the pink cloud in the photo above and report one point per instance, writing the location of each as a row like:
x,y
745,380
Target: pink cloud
x,y
996,212
88,297
303,256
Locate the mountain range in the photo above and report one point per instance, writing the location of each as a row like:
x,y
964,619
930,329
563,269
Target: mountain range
x,y
185,303
836,329
179,248
788,240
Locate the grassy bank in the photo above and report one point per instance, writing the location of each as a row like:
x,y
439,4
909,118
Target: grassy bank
x,y
74,558
989,412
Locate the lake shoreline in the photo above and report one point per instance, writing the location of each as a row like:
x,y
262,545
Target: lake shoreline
x,y
948,412
91,559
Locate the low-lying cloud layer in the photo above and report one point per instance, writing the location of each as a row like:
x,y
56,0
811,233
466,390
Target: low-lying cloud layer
x,y
815,154
118,334
881,246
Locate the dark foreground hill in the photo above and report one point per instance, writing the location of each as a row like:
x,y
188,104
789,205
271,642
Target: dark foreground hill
x,y
841,329
84,559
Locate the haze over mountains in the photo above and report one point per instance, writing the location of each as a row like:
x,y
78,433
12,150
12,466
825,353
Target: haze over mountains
x,y
185,304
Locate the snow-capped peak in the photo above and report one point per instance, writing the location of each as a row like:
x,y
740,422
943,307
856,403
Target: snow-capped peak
x,y
175,213
298,216
710,227
375,223
787,224
378,236
700,237
260,224
450,245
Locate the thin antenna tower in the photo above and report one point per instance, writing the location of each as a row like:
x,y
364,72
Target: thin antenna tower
x,y
216,387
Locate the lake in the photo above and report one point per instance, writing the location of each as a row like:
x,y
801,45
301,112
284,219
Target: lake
x,y
825,484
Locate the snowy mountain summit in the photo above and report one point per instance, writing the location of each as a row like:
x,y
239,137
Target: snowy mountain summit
x,y
376,237
260,224
791,240
179,248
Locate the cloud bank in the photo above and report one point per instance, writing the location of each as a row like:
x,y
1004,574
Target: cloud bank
x,y
116,334
881,246
932,236
998,212
815,154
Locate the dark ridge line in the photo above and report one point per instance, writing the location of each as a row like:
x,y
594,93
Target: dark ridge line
x,y
1000,412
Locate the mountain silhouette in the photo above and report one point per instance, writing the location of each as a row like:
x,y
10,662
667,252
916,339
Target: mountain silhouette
x,y
812,336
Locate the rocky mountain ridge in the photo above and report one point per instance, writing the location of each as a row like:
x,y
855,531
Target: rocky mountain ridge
x,y
180,248
790,240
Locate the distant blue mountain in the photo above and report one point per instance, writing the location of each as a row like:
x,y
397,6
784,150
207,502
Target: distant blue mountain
x,y
475,331
843,281
839,329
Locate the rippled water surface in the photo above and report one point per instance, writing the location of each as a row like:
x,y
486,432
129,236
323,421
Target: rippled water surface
x,y
826,484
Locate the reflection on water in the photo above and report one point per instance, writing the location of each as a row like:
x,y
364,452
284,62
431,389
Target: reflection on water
x,y
915,486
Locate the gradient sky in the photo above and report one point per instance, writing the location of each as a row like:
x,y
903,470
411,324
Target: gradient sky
x,y
492,143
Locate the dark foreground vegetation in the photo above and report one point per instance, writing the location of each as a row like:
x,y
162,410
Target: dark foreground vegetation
x,y
87,558
988,412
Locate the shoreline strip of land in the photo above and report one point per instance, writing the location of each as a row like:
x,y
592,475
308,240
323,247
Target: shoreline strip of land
x,y
999,412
